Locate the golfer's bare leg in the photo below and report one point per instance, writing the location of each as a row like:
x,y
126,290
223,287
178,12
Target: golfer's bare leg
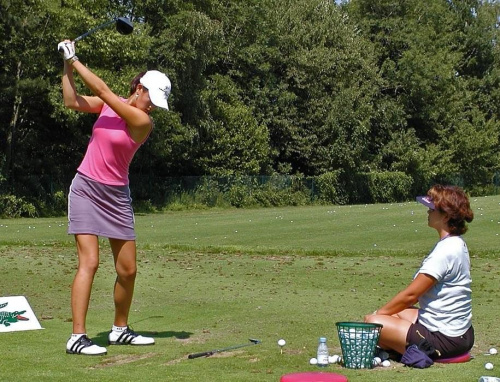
x,y
124,253
88,262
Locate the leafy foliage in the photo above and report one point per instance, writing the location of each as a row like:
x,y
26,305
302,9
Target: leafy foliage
x,y
262,87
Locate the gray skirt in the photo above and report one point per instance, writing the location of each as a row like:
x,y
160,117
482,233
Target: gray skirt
x,y
100,209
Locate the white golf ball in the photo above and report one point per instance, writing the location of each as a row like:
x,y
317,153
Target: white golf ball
x,y
493,351
281,342
386,363
333,358
313,361
377,361
488,366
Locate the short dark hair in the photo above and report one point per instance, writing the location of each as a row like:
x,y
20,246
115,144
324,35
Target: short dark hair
x,y
135,82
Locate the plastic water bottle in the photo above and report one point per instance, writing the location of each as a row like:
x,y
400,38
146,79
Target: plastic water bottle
x,y
488,379
322,355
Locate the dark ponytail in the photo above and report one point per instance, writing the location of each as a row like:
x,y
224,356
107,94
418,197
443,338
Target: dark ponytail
x,y
135,82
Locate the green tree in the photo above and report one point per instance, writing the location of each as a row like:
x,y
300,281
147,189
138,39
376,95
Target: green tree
x,y
232,142
187,43
432,56
27,69
309,78
262,87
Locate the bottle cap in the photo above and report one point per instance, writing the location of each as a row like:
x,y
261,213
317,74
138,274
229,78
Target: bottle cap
x,y
322,339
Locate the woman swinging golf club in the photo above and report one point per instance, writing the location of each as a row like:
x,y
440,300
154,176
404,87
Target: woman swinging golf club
x,y
99,202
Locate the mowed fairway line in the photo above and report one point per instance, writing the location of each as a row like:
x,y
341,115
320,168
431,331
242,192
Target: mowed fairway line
x,y
378,228
324,228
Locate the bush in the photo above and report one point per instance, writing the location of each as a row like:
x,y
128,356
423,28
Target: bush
x,y
249,191
380,187
60,202
240,195
268,191
328,188
144,207
209,192
14,207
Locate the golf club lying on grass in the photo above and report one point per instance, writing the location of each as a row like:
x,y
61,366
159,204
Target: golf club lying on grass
x,y
211,352
123,26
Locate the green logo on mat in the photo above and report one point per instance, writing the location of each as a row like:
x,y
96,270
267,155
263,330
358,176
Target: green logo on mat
x,y
7,318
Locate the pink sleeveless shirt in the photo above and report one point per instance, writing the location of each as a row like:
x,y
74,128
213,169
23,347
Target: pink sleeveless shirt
x,y
110,150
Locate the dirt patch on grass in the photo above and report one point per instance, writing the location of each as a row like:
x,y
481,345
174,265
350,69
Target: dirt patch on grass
x,y
122,359
215,355
226,354
175,361
191,340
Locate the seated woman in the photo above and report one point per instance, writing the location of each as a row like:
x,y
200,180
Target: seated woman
x,y
442,286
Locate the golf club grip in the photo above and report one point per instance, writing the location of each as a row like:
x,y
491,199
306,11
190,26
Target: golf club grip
x,y
203,354
84,35
61,50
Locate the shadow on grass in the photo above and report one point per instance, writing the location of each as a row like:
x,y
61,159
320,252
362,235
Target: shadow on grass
x,y
102,337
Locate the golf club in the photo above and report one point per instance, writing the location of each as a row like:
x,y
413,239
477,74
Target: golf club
x,y
211,352
123,26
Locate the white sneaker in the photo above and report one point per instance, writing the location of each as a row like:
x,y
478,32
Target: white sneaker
x,y
84,345
128,337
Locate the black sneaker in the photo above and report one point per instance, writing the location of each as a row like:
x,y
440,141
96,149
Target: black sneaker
x,y
386,354
128,337
380,353
84,345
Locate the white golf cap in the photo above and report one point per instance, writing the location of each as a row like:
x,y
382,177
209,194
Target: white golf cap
x,y
158,86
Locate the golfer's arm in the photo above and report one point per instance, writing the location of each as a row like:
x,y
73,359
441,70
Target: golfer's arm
x,y
409,296
134,117
72,99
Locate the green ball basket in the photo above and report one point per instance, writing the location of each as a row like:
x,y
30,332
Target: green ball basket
x,y
358,341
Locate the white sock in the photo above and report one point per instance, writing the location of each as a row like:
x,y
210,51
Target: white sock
x,y
75,337
118,328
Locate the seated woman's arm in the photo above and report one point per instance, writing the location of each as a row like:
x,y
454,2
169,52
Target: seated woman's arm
x,y
409,296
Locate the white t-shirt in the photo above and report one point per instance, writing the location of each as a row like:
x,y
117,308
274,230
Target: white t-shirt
x,y
447,306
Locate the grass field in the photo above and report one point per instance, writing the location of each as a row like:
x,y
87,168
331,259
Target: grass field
x,y
212,279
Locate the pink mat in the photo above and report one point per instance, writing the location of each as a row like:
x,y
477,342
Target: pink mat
x,y
457,359
316,376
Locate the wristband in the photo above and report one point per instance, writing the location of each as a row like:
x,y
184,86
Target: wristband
x,y
72,59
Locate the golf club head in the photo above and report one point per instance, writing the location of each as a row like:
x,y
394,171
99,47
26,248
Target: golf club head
x,y
124,25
